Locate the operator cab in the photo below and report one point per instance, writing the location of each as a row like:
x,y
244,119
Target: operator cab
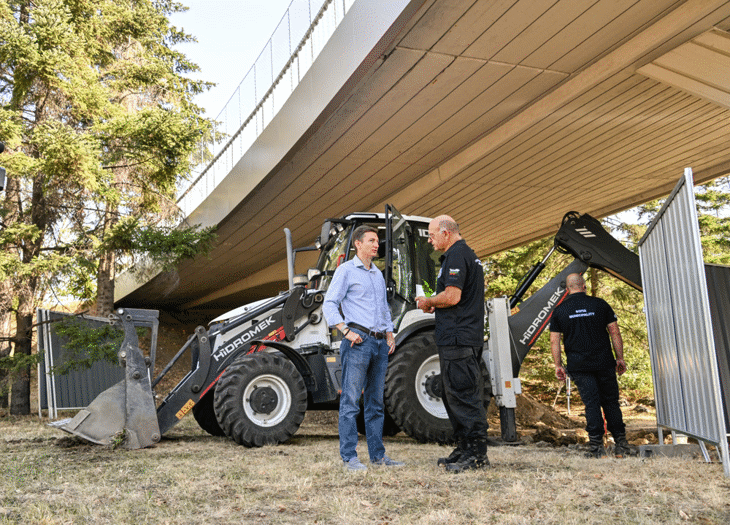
x,y
408,262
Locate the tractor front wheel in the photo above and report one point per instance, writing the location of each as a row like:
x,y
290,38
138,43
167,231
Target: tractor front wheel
x,y
413,391
260,400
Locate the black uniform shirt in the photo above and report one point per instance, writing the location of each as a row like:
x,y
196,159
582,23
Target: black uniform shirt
x,y
582,320
463,323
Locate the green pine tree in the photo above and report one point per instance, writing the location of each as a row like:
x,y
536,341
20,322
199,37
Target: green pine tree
x,y
98,118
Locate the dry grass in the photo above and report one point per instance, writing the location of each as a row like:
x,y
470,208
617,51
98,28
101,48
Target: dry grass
x,y
48,477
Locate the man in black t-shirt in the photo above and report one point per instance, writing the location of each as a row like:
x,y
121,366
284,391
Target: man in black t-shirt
x,y
589,329
459,308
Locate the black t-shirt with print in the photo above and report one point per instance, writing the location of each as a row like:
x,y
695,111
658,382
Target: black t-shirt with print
x,y
582,320
463,323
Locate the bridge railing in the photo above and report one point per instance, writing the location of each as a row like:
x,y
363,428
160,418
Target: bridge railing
x,y
295,44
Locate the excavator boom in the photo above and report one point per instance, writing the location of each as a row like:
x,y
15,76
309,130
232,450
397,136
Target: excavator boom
x,y
592,246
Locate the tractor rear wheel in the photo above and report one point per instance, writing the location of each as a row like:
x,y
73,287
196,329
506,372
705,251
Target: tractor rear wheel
x,y
204,414
260,400
413,391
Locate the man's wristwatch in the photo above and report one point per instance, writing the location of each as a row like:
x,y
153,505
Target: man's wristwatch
x,y
345,331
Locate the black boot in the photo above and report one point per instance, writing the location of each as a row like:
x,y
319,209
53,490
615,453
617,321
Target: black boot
x,y
475,457
595,447
622,448
454,456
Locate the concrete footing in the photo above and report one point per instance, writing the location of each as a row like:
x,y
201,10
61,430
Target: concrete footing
x,y
670,451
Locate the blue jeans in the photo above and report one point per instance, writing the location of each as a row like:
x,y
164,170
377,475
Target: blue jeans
x,y
363,366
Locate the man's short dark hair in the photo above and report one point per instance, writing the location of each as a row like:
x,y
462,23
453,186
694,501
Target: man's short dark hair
x,y
360,232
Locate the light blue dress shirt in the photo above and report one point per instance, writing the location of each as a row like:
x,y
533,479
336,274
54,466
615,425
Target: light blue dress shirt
x,y
361,295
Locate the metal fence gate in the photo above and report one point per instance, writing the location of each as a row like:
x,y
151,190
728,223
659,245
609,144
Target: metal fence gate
x,y
75,389
680,323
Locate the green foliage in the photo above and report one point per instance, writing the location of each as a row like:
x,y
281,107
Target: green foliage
x,y
165,246
84,345
98,118
504,271
713,207
427,290
15,366
118,439
112,130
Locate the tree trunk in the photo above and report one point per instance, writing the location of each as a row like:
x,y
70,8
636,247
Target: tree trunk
x,y
594,282
4,386
29,252
105,274
105,285
20,393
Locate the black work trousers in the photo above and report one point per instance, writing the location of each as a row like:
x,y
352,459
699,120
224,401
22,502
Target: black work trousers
x,y
599,390
463,391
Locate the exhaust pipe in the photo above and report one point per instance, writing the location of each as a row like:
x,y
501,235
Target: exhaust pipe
x,y
289,257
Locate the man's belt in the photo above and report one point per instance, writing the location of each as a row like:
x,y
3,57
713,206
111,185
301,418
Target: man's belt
x,y
376,335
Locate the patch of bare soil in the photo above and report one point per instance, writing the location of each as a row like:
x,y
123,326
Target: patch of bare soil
x,y
541,423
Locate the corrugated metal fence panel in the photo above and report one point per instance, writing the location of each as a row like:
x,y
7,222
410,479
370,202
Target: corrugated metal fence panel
x,y
718,287
692,316
664,360
684,362
78,388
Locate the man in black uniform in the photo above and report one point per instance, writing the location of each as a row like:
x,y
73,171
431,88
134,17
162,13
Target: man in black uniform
x,y
589,328
459,308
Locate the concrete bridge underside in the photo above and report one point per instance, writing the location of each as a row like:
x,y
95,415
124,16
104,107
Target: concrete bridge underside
x,y
502,113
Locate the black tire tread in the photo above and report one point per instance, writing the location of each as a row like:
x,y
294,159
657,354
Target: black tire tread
x,y
228,400
400,399
204,414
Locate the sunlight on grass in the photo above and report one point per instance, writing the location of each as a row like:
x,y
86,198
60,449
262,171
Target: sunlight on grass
x,y
48,477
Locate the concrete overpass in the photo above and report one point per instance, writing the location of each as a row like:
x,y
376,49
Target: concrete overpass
x,y
503,113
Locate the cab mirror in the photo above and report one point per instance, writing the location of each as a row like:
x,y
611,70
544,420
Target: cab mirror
x,y
324,237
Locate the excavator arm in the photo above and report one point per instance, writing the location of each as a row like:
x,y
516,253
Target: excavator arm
x,y
592,246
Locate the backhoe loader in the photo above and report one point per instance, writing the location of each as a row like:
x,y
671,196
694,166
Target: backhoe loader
x,y
257,369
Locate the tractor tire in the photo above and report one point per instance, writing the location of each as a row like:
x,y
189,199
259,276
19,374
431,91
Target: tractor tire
x,y
260,400
390,428
204,414
412,391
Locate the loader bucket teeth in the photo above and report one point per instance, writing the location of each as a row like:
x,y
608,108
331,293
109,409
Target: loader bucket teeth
x,y
124,414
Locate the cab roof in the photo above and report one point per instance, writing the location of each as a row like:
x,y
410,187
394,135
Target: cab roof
x,y
381,217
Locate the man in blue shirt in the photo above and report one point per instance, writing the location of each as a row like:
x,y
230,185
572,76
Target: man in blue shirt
x,y
591,335
358,289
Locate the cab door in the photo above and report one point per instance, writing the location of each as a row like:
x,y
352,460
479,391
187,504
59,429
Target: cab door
x,y
399,280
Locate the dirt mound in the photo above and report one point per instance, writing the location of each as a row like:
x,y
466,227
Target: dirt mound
x,y
531,413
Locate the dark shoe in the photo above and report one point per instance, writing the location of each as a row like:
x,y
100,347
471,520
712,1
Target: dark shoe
x,y
474,457
622,448
595,447
452,458
469,463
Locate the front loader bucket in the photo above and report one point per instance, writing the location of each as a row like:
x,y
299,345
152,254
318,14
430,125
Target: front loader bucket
x,y
125,413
